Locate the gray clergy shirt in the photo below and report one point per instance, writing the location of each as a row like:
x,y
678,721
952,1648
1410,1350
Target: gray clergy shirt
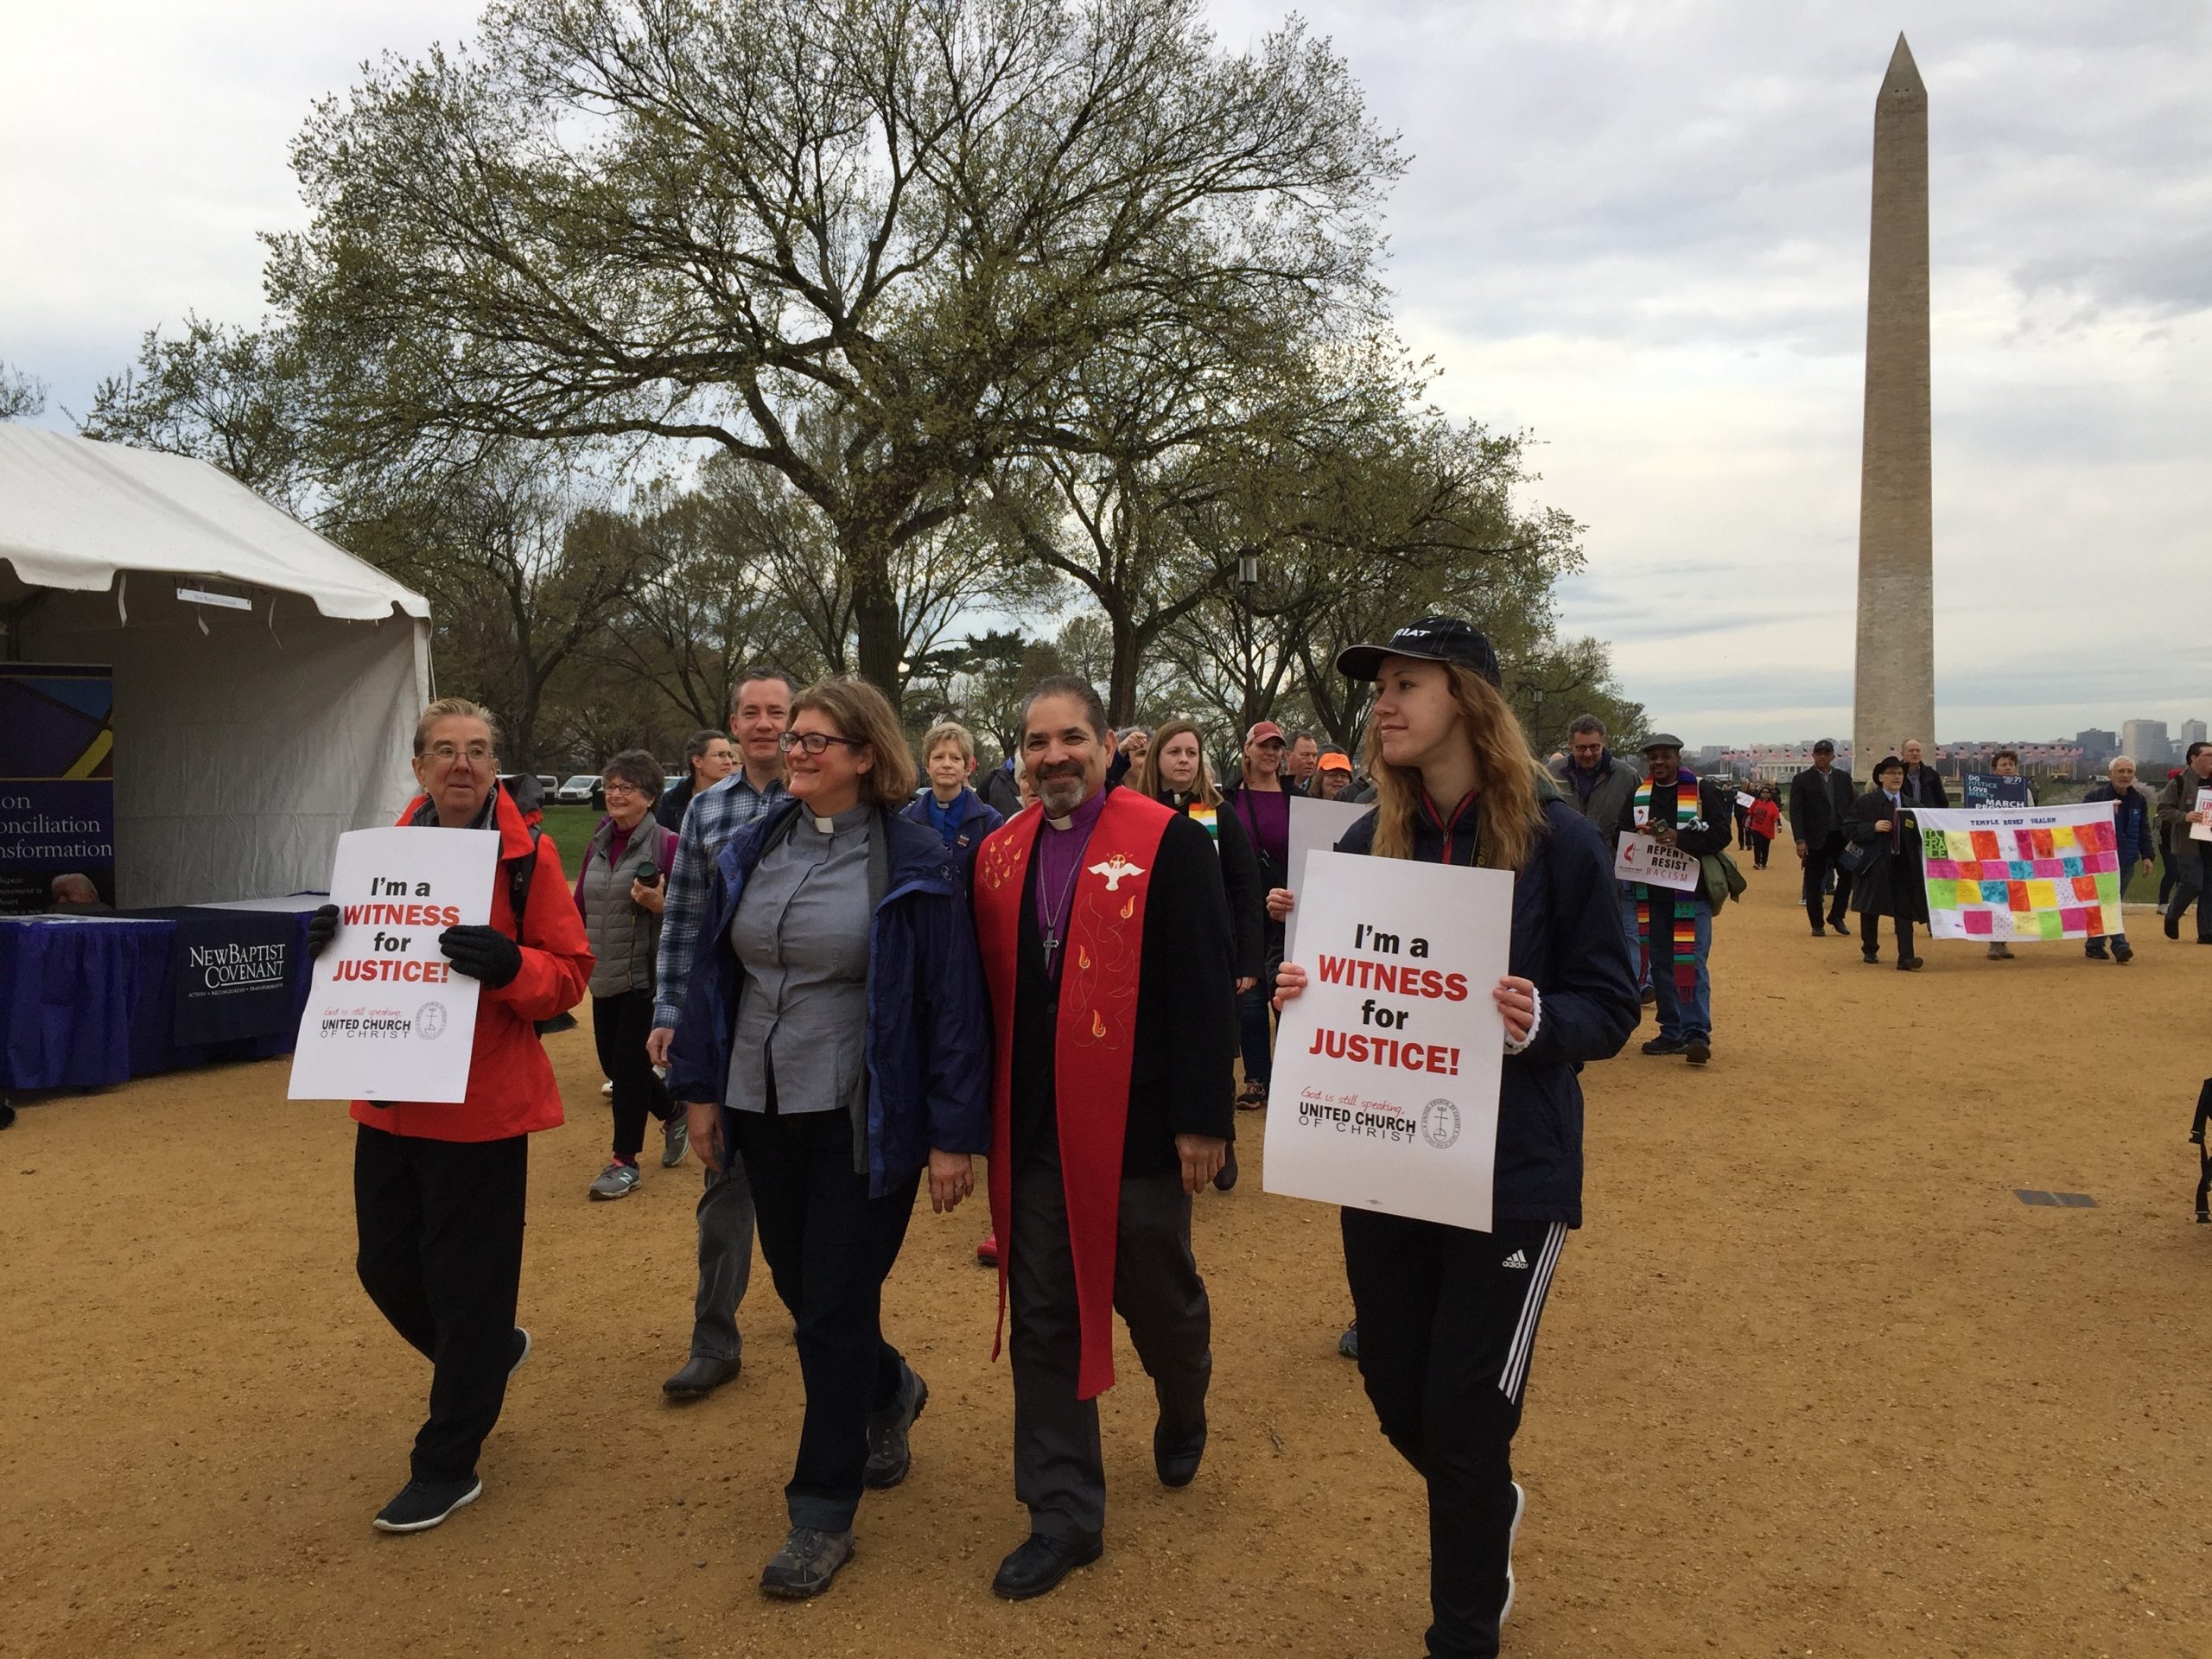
x,y
801,934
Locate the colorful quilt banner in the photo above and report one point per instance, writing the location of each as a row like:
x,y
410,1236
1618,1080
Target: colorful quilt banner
x,y
2020,872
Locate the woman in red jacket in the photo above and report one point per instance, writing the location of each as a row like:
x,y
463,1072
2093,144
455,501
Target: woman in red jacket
x,y
1765,824
438,1189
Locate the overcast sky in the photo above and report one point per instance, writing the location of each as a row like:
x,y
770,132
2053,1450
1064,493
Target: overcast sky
x,y
1638,231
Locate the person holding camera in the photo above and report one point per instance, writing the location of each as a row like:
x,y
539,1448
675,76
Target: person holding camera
x,y
439,1188
620,888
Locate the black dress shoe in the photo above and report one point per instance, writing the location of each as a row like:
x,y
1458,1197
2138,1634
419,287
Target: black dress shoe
x,y
1225,1177
2172,925
1041,1563
1176,1457
700,1376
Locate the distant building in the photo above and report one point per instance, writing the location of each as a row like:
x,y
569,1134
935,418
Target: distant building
x,y
2097,746
2145,742
2060,760
2192,731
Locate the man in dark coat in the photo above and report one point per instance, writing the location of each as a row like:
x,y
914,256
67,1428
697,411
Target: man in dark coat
x,y
1890,883
1922,787
1820,801
1674,926
1107,945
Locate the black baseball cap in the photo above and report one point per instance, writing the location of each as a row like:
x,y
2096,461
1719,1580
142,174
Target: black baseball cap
x,y
1432,639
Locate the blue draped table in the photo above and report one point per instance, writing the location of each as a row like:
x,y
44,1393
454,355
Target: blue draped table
x,y
88,1001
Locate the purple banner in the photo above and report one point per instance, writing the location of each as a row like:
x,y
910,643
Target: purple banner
x,y
57,787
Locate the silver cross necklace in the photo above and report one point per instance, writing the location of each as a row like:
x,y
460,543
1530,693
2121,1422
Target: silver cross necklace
x,y
1053,922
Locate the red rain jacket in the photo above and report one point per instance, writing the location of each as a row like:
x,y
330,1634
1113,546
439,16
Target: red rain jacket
x,y
510,1087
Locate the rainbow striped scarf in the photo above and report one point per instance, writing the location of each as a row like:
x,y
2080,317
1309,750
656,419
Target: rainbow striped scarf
x,y
1685,812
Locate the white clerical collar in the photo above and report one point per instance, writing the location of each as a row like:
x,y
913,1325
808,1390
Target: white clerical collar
x,y
1062,824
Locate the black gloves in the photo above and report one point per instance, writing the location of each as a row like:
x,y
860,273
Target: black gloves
x,y
321,926
482,953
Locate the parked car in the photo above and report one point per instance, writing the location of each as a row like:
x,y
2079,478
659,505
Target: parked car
x,y
582,790
549,782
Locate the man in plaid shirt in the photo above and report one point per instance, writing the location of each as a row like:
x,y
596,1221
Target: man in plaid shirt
x,y
759,710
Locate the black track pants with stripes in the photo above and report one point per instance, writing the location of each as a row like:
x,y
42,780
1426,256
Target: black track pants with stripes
x,y
1447,1323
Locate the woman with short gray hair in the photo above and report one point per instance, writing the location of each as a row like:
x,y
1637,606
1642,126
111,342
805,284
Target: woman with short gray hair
x,y
619,889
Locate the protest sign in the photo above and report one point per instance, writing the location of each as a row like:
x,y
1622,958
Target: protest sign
x,y
1385,1088
387,1017
1992,789
57,781
1315,826
1745,799
1655,864
2020,872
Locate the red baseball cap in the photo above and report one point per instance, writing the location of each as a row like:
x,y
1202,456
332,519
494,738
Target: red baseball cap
x,y
1264,731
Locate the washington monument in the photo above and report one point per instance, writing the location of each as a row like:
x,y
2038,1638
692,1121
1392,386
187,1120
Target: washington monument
x,y
1894,692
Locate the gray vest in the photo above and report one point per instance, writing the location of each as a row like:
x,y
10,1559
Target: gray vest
x,y
623,937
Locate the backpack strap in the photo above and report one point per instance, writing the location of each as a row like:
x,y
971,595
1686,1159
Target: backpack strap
x,y
520,873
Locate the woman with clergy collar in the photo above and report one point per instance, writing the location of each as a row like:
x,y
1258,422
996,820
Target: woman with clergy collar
x,y
1889,883
836,1035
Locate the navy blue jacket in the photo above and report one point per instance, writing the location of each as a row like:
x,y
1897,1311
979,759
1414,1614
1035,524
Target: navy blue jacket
x,y
929,1031
2135,836
1568,941
975,817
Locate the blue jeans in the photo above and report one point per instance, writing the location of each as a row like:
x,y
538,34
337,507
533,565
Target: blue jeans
x,y
1635,946
1680,1016
1253,1035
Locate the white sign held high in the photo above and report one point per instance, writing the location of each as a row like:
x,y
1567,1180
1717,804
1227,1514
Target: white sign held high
x,y
1315,826
387,1017
1655,864
1385,1088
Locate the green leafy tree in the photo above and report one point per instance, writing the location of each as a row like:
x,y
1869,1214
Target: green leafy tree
x,y
655,218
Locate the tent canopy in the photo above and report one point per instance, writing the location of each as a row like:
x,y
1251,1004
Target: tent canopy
x,y
74,512
249,732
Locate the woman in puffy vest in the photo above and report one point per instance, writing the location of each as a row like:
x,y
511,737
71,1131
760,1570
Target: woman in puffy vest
x,y
619,889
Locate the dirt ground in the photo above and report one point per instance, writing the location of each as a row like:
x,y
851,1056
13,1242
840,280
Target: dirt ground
x,y
1813,1380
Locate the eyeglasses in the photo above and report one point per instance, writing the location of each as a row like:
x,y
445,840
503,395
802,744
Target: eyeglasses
x,y
815,742
616,786
445,753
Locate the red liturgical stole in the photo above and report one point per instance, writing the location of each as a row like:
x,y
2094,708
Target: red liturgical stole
x,y
1095,1046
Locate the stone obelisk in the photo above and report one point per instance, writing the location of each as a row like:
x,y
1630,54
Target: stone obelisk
x,y
1894,693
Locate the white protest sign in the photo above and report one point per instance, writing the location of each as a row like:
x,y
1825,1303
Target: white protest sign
x,y
1655,864
1744,799
387,1017
2200,824
1315,826
1385,1090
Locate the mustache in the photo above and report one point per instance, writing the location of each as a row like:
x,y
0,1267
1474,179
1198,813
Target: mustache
x,y
1064,769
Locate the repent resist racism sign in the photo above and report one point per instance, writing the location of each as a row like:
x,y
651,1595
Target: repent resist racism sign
x,y
1385,1088
387,1017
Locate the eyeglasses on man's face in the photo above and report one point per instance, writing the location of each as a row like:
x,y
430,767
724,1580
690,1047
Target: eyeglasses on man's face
x,y
445,754
815,742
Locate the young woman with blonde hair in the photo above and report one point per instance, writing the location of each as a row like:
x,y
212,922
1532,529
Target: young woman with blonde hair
x,y
1447,1315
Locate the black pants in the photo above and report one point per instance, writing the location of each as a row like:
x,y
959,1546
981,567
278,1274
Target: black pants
x,y
1447,1323
440,1256
1059,1469
1820,858
1760,846
2193,886
1870,933
620,1026
830,1248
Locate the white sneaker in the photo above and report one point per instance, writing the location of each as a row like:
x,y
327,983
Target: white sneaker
x,y
1520,1503
608,1088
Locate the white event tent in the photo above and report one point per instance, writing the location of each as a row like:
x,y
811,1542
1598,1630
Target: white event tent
x,y
254,722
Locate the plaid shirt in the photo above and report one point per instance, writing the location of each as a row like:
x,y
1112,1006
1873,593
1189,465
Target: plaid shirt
x,y
708,823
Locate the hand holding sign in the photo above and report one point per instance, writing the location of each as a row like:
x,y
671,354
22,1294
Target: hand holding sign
x,y
1656,863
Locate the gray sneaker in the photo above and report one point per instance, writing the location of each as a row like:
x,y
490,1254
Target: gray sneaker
x,y
675,1136
806,1563
616,1181
888,1455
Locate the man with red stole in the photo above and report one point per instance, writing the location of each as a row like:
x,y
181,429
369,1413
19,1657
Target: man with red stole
x,y
1107,945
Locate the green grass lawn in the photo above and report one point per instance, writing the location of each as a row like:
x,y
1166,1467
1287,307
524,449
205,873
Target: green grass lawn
x,y
570,827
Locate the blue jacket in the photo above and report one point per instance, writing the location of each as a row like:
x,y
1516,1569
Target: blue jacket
x,y
2135,836
1568,941
972,818
929,1034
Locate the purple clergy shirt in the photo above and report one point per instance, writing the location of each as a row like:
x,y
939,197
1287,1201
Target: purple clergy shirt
x,y
1058,852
